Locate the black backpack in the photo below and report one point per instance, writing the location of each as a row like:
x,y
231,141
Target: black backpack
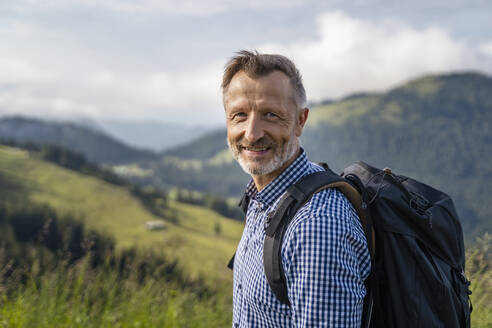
x,y
415,239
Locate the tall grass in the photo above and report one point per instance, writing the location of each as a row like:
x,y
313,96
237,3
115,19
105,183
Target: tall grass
x,y
78,296
479,271
56,273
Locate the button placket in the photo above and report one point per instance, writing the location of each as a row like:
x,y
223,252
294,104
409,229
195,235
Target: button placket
x,y
254,231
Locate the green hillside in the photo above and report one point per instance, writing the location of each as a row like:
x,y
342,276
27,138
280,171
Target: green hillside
x,y
479,272
94,144
190,235
437,129
201,148
56,272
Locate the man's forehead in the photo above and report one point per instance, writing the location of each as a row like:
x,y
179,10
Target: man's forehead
x,y
243,80
242,101
275,84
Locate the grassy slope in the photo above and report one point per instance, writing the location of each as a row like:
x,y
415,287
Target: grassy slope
x,y
113,210
341,112
479,267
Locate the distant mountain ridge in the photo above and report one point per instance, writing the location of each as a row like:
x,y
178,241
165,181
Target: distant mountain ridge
x,y
437,129
200,148
155,136
95,145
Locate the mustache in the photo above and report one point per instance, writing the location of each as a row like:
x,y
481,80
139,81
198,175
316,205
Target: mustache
x,y
260,143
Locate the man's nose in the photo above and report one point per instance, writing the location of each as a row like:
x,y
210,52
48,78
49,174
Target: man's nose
x,y
254,129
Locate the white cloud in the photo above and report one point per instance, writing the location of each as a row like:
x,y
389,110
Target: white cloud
x,y
486,48
53,72
192,97
17,71
189,96
185,90
361,55
169,7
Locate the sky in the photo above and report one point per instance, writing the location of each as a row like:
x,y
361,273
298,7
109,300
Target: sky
x,y
162,61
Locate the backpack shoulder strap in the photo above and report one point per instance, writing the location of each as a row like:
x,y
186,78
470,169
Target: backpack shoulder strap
x,y
293,199
243,204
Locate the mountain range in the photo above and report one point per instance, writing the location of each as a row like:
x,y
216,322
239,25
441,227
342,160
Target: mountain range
x,y
155,136
96,145
437,129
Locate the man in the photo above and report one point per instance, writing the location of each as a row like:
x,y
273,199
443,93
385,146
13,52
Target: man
x,y
324,252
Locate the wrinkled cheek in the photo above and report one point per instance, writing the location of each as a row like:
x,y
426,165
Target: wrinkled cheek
x,y
234,133
233,146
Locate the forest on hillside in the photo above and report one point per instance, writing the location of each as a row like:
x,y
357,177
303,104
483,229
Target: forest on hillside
x,y
56,272
69,259
436,129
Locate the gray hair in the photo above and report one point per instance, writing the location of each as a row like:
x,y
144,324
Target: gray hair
x,y
257,65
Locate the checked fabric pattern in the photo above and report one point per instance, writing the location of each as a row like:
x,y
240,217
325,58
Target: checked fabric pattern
x,y
324,257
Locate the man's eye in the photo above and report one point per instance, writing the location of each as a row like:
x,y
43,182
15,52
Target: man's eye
x,y
270,115
238,116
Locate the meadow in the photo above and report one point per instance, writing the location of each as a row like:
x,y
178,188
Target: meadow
x,y
190,235
199,240
175,277
57,273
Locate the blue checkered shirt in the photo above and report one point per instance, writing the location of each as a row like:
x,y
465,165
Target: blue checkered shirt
x,y
324,257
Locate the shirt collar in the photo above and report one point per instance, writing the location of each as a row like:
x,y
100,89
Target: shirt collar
x,y
279,185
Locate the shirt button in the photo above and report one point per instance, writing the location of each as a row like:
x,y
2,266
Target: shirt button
x,y
240,286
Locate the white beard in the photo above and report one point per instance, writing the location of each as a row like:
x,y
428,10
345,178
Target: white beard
x,y
280,157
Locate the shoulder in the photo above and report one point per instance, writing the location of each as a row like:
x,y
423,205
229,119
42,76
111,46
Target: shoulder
x,y
325,232
328,215
329,206
328,202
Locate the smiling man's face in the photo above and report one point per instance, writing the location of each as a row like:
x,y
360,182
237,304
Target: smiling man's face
x,y
263,124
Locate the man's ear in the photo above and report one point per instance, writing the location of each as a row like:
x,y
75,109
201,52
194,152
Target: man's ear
x,y
302,116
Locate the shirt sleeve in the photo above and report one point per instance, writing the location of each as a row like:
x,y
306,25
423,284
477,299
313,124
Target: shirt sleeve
x,y
325,259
